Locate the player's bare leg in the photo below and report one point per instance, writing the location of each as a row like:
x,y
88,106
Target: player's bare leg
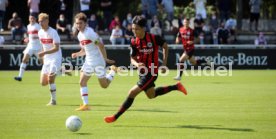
x,y
44,79
133,92
84,91
23,66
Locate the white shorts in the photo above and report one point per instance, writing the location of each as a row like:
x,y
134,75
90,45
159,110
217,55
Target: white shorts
x,y
99,69
31,51
53,66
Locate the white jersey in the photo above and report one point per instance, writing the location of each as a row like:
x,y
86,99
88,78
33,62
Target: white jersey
x,y
47,39
89,41
34,42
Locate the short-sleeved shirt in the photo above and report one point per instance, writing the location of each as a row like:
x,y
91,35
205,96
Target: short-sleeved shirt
x,y
48,38
89,40
34,42
186,34
146,50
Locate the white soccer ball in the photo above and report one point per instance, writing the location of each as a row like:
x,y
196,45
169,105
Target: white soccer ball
x,y
73,123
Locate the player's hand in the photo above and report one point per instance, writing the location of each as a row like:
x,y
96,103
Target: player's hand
x,y
140,65
190,42
109,61
26,40
41,54
74,55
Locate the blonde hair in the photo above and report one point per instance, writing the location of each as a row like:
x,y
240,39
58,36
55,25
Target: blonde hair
x,y
43,16
81,16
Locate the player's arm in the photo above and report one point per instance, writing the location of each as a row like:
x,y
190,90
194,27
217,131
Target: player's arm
x,y
54,49
77,54
177,38
103,51
134,62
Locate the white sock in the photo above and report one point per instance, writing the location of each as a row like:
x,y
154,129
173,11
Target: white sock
x,y
53,91
22,69
84,95
110,75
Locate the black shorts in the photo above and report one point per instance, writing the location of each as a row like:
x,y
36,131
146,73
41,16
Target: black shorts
x,y
190,52
147,81
254,17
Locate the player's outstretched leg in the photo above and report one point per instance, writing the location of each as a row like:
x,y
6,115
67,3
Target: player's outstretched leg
x,y
107,79
128,102
157,92
166,89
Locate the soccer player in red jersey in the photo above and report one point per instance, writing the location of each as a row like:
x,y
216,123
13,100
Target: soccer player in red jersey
x,y
144,55
186,35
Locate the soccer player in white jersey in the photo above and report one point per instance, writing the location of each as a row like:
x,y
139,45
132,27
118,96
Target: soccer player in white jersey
x,y
95,60
51,55
33,47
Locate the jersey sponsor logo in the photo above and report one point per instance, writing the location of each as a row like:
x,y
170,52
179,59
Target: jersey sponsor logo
x,y
46,41
85,42
146,51
33,32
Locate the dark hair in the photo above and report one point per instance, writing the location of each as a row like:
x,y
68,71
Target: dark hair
x,y
81,16
139,20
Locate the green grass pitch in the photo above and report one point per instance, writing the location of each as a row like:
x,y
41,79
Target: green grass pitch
x,y
242,106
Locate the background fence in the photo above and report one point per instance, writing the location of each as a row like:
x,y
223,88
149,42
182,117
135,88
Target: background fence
x,y
240,56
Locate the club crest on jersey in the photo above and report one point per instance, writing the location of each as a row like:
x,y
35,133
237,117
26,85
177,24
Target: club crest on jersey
x,y
149,44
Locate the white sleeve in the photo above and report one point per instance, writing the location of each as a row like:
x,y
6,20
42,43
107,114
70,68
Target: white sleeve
x,y
56,38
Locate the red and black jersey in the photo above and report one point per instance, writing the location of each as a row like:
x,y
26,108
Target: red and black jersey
x,y
186,34
146,50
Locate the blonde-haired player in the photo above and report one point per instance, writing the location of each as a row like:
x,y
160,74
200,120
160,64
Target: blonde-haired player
x,y
33,47
95,60
51,55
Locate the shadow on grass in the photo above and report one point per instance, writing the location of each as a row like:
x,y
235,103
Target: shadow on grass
x,y
83,134
70,105
153,110
103,105
91,105
199,127
220,82
215,127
